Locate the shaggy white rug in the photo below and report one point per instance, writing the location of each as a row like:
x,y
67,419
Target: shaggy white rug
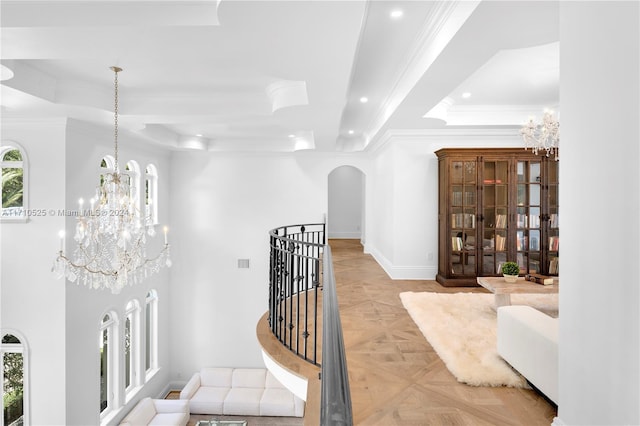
x,y
461,328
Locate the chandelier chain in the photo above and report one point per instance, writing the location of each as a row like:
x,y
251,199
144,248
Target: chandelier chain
x,y
116,70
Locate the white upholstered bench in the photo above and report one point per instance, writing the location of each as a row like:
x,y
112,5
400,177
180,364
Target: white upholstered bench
x,y
240,391
528,340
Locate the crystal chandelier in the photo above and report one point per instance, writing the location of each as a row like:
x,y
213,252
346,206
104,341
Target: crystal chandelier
x,y
111,236
544,136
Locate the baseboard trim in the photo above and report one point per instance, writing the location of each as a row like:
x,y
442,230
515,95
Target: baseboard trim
x,y
345,235
171,386
403,272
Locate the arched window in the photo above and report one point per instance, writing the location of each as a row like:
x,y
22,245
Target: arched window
x,y
14,358
151,332
133,171
151,194
108,364
14,182
132,346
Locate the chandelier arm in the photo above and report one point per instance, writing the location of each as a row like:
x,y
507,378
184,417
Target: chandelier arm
x,y
93,271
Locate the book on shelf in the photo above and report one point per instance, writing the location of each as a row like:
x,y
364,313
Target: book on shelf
x,y
456,243
463,220
554,266
539,279
501,221
554,243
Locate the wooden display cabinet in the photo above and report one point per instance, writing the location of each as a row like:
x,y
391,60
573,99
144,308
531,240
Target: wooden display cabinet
x,y
496,205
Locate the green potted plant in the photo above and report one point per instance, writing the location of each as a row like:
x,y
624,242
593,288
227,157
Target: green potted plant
x,y
510,271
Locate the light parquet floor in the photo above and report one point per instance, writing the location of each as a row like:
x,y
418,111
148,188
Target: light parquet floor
x,y
395,376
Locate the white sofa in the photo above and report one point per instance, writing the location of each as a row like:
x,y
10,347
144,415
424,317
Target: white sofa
x,y
528,340
149,411
240,391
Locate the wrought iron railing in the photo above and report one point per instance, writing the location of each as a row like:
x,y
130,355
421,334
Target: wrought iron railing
x,y
301,267
294,285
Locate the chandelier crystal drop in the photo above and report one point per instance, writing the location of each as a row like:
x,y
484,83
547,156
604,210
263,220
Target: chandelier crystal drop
x,y
544,136
111,235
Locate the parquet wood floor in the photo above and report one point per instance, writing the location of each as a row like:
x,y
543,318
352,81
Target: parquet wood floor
x,y
395,376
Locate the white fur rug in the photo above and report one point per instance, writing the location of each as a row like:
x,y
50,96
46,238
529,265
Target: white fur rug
x,y
461,328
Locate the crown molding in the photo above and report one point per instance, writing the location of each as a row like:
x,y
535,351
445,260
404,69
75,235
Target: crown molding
x,y
503,135
440,27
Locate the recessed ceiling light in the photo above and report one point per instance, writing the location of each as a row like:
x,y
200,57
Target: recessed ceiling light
x,y
466,95
199,135
292,136
364,99
396,14
350,132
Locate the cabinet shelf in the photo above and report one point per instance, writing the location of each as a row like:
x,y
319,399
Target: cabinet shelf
x,y
496,205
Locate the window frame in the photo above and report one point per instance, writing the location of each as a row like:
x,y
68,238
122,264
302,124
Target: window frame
x,y
132,314
6,146
113,366
22,348
151,193
132,170
151,334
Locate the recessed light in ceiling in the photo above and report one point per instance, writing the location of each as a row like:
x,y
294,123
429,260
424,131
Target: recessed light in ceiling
x,y
396,14
199,135
364,99
5,73
350,132
466,95
292,136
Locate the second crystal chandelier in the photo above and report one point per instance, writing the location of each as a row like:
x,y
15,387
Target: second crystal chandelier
x,y
544,136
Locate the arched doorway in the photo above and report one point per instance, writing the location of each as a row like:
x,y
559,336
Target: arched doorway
x,y
346,203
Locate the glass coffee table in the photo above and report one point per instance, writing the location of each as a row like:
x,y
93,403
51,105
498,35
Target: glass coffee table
x,y
215,422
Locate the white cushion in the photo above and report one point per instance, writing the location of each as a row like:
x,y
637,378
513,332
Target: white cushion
x,y
217,377
248,378
208,400
528,340
243,401
178,419
272,382
141,414
191,387
171,406
277,402
158,412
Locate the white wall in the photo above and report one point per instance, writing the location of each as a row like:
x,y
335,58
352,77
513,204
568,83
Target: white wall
x,y
32,300
346,197
404,231
223,208
86,146
599,201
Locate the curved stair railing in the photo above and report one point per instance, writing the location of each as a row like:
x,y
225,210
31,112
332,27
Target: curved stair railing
x,y
294,287
300,280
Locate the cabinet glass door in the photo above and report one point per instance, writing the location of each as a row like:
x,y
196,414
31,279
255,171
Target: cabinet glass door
x,y
528,216
463,218
495,215
553,225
